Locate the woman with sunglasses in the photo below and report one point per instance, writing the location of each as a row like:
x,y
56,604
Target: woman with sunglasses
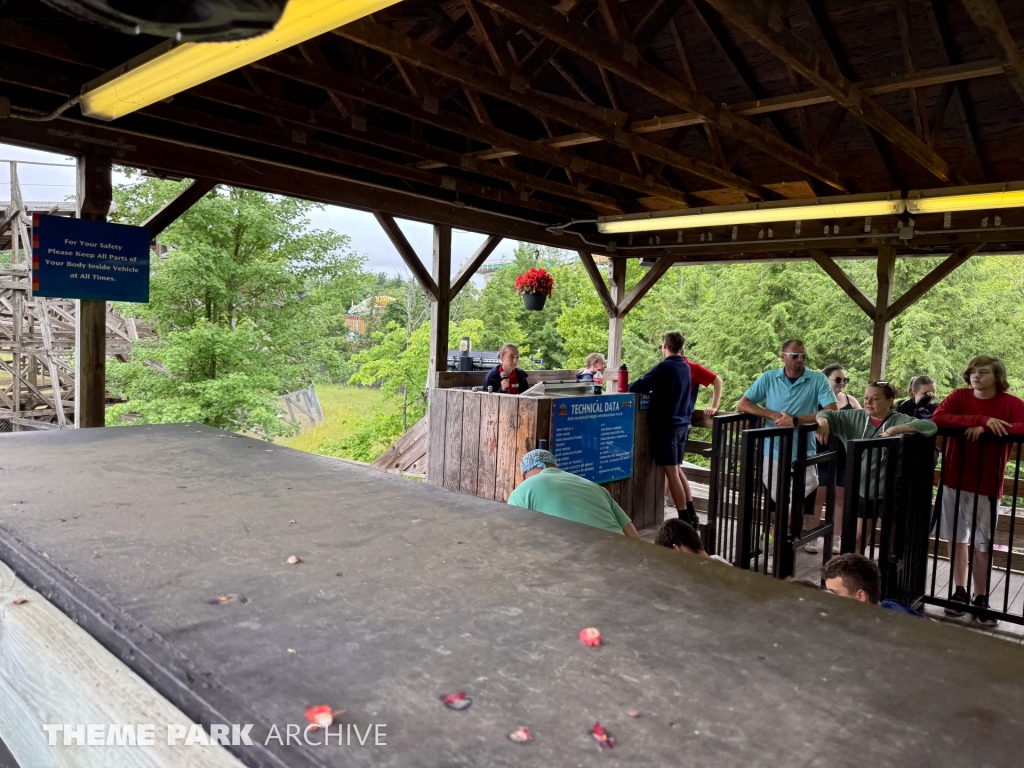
x,y
838,380
878,418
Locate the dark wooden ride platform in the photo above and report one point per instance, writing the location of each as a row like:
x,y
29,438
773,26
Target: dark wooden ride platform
x,y
408,591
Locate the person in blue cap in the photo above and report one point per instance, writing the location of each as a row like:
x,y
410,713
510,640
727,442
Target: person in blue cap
x,y
548,489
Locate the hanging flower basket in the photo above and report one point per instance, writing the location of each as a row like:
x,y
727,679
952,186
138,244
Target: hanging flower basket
x,y
535,285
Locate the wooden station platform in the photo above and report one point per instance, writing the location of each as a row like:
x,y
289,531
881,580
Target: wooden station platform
x,y
408,591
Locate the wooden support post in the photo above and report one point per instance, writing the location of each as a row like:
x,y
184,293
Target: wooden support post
x,y
880,337
618,292
93,192
440,307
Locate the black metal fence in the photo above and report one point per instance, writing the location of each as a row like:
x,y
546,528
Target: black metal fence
x,y
745,524
934,514
973,541
887,507
721,534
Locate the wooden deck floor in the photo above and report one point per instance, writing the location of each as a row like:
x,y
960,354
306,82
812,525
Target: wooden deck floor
x,y
808,566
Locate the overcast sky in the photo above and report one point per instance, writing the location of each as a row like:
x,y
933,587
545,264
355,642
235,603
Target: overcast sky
x,y
50,184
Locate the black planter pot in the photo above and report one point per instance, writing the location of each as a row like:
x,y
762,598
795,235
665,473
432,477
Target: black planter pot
x,y
534,301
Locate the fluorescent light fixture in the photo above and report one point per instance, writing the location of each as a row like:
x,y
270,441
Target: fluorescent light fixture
x,y
848,206
172,67
978,198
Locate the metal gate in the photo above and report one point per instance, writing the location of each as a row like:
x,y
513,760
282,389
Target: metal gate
x,y
745,524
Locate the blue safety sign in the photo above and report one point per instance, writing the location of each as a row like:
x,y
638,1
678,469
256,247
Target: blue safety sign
x,y
88,259
593,436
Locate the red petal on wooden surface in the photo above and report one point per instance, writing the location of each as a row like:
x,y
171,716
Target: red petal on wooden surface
x,y
604,739
590,636
457,701
521,735
20,600
321,715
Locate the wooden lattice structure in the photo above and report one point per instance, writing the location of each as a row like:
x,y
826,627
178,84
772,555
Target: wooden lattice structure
x,y
37,335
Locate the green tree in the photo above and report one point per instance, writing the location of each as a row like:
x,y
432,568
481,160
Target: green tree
x,y
246,303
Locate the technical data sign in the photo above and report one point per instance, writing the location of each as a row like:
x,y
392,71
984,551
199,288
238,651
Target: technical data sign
x,y
593,436
87,259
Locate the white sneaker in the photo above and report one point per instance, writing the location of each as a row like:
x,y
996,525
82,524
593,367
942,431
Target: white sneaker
x,y
836,545
812,548
669,502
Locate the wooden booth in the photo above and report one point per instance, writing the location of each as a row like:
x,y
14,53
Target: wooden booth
x,y
476,440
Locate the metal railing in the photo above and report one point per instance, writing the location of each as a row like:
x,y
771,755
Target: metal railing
x,y
774,499
977,503
721,534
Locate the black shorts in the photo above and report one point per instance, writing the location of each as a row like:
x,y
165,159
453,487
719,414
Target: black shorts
x,y
870,508
824,470
668,447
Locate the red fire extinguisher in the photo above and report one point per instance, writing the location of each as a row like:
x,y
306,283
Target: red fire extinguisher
x,y
623,384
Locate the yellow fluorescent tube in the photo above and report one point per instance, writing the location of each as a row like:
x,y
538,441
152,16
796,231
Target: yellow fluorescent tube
x,y
756,213
172,68
975,202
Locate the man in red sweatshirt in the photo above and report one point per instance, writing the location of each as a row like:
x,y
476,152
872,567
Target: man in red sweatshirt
x,y
973,470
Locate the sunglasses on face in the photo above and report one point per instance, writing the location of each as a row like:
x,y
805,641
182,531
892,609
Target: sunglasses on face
x,y
840,380
795,355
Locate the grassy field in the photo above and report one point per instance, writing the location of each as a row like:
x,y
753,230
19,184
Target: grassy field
x,y
344,409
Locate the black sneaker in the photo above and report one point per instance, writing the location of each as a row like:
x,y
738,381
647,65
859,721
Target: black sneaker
x,y
960,596
981,601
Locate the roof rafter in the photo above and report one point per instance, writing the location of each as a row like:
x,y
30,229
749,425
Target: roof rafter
x,y
564,110
362,91
584,42
787,47
989,18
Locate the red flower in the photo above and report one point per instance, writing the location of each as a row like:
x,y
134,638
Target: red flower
x,y
535,280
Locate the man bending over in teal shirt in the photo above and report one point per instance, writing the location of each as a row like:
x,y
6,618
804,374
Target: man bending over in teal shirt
x,y
549,490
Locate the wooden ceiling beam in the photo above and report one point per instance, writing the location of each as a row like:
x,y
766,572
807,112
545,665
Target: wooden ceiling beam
x,y
408,253
584,42
740,65
175,207
823,24
906,37
236,168
597,279
298,142
316,120
946,75
486,25
989,18
475,262
926,283
533,62
654,21
841,279
654,274
387,40
362,91
942,29
752,18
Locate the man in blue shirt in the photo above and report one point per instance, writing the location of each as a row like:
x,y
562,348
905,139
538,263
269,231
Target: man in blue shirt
x,y
668,417
791,395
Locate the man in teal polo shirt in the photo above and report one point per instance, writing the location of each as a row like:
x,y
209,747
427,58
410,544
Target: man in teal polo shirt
x,y
548,489
791,395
